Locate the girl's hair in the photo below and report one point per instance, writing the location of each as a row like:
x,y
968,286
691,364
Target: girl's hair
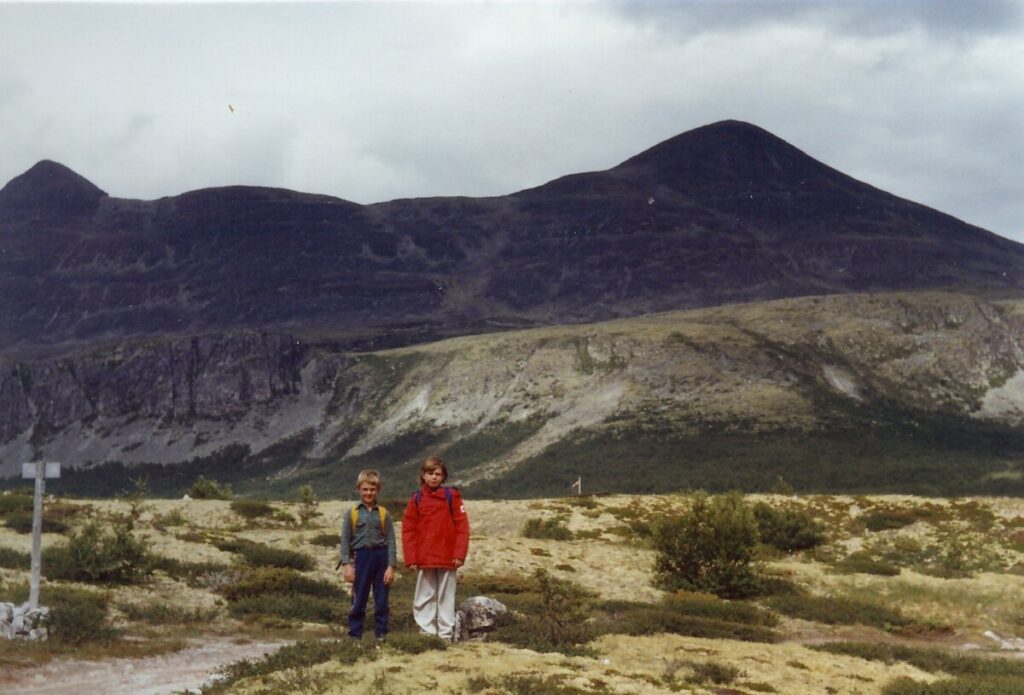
x,y
368,476
433,463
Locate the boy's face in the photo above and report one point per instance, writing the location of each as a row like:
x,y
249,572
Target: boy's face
x,y
368,493
433,478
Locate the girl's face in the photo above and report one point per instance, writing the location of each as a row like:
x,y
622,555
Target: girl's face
x,y
433,477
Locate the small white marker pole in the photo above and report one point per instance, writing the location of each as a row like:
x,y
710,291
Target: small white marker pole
x,y
40,471
578,485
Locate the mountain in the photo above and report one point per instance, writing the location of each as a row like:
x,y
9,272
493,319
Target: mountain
x,y
916,392
724,213
721,310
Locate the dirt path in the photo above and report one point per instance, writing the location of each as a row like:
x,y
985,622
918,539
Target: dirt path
x,y
156,675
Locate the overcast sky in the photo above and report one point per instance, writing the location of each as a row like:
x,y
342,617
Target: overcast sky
x,y
375,102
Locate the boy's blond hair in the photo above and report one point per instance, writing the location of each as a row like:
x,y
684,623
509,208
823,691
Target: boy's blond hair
x,y
368,476
433,463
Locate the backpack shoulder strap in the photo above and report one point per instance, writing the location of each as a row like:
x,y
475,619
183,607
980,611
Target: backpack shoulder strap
x,y
354,517
383,520
450,497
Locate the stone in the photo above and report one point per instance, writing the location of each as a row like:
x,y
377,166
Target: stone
x,y
476,616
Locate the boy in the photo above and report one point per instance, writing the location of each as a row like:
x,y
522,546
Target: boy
x,y
435,540
368,553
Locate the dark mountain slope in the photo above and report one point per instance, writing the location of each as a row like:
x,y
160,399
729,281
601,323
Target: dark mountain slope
x,y
723,213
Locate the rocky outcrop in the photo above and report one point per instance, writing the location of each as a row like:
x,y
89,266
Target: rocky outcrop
x,y
810,365
476,617
20,621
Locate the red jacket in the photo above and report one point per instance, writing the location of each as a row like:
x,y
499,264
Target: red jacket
x,y
432,535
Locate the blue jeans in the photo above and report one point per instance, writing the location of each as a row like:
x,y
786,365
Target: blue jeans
x,y
371,563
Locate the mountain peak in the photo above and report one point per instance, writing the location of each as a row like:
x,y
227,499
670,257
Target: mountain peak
x,y
723,151
51,189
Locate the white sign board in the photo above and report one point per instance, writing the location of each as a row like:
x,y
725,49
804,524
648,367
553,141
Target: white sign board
x,y
28,470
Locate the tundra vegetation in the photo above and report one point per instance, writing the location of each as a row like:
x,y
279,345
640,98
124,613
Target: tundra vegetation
x,y
691,593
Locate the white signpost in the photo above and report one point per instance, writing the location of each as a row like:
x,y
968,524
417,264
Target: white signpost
x,y
39,471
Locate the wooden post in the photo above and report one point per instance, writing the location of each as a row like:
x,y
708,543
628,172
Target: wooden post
x,y
40,472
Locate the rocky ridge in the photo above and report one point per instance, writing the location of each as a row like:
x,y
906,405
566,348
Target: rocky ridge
x,y
814,365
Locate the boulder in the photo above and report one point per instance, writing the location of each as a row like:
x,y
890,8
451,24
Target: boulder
x,y
477,616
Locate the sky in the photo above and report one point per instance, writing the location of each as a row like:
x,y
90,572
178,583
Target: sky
x,y
373,102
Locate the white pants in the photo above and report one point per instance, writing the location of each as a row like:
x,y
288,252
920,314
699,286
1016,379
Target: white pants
x,y
433,604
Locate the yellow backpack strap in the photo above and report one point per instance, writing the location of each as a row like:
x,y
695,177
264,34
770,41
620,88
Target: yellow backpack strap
x,y
383,521
354,517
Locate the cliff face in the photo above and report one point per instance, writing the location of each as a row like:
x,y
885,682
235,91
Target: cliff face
x,y
813,366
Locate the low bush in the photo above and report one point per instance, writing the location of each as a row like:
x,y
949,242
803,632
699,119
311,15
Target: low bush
x,y
837,610
523,684
300,655
852,565
928,659
96,553
277,580
291,607
18,501
78,616
956,686
889,519
415,643
709,548
788,530
556,619
548,529
14,559
205,489
167,614
654,620
261,555
712,672
251,509
326,540
185,570
21,522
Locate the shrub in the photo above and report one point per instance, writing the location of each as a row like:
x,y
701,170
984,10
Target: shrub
x,y
260,555
308,504
709,548
17,501
113,555
957,686
251,509
276,580
78,616
523,684
713,671
928,659
787,530
415,643
694,615
167,614
300,655
557,620
21,522
14,559
858,565
889,519
327,540
549,529
204,489
313,609
183,569
839,611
